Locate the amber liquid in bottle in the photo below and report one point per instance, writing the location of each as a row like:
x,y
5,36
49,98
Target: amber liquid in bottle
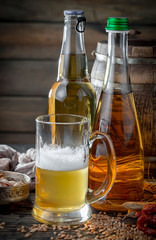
x,y
119,120
74,93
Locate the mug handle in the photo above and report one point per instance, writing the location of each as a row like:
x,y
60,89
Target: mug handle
x,y
95,195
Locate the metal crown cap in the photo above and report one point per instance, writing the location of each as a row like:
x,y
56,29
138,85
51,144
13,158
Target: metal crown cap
x,y
117,24
73,12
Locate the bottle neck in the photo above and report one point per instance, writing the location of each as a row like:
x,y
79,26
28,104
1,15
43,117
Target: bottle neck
x,y
73,60
117,75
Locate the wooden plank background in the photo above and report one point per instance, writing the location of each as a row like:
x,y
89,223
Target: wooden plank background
x,y
30,43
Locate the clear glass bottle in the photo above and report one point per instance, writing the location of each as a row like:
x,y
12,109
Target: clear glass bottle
x,y
73,93
116,115
98,69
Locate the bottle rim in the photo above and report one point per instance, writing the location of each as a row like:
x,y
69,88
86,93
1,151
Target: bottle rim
x,y
73,12
62,119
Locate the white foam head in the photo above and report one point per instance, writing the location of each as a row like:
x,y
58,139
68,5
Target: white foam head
x,y
62,159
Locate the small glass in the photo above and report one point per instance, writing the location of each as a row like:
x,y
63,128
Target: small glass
x,y
62,157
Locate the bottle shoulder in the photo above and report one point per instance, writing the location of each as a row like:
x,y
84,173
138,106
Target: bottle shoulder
x,y
72,87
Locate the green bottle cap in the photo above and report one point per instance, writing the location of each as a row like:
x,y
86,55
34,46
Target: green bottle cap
x,y
117,24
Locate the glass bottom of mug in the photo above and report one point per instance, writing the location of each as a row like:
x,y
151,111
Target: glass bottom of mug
x,y
62,218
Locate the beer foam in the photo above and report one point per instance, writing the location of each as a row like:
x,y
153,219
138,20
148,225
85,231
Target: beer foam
x,y
62,159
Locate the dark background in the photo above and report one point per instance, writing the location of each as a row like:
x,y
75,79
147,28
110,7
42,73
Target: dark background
x,y
30,43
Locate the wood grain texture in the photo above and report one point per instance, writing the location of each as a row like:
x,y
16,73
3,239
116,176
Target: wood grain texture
x,y
35,78
20,214
142,73
43,41
95,11
30,43
28,78
18,118
17,137
18,114
142,51
146,116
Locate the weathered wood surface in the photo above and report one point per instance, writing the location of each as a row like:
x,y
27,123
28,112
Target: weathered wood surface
x,y
40,41
35,78
30,43
17,137
150,168
17,215
147,120
20,214
43,41
95,11
28,78
19,113
143,74
24,95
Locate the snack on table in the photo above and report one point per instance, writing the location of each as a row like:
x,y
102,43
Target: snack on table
x,y
14,187
8,182
147,219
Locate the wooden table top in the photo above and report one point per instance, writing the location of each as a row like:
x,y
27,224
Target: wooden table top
x,y
17,215
14,216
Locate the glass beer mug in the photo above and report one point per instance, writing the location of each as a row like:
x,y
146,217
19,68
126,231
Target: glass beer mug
x,y
62,157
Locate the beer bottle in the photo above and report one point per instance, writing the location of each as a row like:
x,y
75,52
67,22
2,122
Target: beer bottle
x,y
73,93
116,116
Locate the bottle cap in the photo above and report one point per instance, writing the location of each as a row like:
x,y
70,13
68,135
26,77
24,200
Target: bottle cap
x,y
73,12
117,24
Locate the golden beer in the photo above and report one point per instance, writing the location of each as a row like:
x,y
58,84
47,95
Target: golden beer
x,y
61,190
62,155
73,93
61,179
125,134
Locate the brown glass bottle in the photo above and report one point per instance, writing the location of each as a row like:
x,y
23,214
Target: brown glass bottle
x,y
73,92
116,115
